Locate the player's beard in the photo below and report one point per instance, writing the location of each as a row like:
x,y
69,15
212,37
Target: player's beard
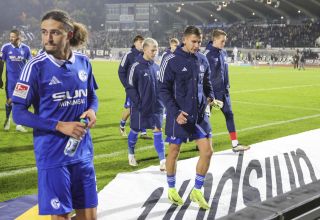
x,y
51,51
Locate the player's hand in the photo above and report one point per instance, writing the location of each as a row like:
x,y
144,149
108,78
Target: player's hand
x,y
182,118
216,104
73,129
1,84
91,115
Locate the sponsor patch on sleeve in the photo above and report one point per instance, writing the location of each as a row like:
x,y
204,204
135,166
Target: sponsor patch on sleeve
x,y
21,90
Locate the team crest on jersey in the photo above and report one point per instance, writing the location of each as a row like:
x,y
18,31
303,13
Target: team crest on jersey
x,y
83,75
55,203
22,52
21,90
201,68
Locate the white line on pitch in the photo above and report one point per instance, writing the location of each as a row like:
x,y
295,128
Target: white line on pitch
x,y
270,89
278,106
118,153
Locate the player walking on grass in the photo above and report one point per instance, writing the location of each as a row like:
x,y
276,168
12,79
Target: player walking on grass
x,y
217,58
185,90
60,85
128,59
15,54
146,108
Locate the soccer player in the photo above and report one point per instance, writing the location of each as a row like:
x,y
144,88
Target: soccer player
x,y
217,58
128,59
174,42
146,107
15,54
1,70
60,85
185,90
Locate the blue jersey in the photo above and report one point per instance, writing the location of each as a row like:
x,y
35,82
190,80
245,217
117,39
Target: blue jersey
x,y
217,59
59,91
15,58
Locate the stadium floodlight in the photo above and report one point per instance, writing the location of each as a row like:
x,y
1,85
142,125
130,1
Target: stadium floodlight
x,y
269,2
215,20
282,17
253,13
211,15
299,11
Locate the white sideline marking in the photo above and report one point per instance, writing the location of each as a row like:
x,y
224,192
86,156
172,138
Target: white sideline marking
x,y
117,153
278,106
271,124
276,88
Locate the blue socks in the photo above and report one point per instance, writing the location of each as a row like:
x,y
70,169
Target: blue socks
x,y
199,181
171,179
122,124
8,110
159,144
132,140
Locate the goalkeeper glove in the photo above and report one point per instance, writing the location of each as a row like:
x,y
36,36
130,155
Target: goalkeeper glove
x,y
216,104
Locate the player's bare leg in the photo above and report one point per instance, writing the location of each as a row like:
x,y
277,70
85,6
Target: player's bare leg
x,y
124,118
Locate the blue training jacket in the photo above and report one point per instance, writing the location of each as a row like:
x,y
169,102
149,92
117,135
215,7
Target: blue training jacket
x,y
143,91
217,59
127,60
185,86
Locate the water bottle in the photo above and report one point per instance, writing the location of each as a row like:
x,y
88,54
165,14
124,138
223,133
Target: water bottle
x,y
73,143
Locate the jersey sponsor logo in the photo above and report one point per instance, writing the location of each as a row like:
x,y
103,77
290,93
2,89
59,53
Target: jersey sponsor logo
x,y
145,74
54,81
184,69
21,90
66,95
55,203
83,75
16,58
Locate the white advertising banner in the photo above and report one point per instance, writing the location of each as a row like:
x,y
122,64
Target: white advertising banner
x,y
234,181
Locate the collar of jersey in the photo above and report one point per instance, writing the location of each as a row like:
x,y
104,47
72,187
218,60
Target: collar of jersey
x,y
181,52
212,48
19,46
143,61
58,62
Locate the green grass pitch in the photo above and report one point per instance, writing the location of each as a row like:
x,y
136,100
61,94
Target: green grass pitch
x,y
267,103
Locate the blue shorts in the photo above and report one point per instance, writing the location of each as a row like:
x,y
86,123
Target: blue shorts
x,y
198,134
127,103
62,189
10,85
